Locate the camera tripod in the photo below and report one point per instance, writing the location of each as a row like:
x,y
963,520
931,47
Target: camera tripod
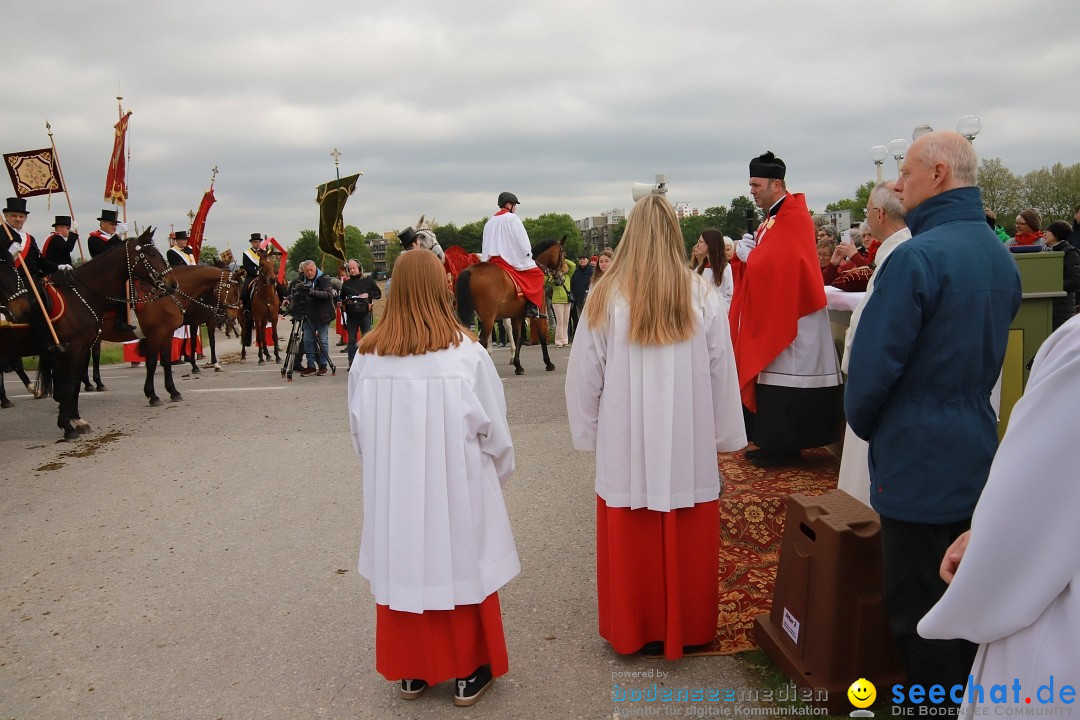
x,y
295,348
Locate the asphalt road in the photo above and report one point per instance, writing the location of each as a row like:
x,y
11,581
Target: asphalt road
x,y
198,560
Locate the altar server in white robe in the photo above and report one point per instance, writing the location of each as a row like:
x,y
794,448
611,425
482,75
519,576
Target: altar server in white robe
x,y
885,216
652,389
428,419
1014,578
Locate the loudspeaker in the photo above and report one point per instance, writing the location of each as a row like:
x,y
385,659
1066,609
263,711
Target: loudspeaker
x,y
639,190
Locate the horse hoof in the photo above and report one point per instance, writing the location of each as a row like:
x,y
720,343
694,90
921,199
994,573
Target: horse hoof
x,y
176,398
218,368
261,361
71,434
100,388
519,371
6,403
550,367
155,402
83,429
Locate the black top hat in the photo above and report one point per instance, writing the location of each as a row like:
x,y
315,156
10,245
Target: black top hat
x,y
768,166
255,237
407,237
508,197
180,235
108,216
62,220
17,205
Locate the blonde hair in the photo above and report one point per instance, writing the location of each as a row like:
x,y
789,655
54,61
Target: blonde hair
x,y
418,317
649,270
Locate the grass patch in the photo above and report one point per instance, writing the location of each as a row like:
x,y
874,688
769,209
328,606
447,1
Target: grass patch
x,y
111,353
775,682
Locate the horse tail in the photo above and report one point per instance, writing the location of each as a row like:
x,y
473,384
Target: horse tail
x,y
465,308
44,378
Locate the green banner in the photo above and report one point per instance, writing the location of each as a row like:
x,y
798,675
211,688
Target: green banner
x,y
331,197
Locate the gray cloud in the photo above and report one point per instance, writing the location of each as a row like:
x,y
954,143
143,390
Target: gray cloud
x,y
443,105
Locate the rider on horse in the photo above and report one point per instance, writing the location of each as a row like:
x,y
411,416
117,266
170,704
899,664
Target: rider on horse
x,y
20,248
506,244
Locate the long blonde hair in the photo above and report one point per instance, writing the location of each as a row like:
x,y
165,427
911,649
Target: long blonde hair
x,y
418,317
650,270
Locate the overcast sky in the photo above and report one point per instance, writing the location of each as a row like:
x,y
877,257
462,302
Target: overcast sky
x,y
443,104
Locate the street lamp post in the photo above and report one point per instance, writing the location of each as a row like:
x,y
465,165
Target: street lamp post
x,y
878,153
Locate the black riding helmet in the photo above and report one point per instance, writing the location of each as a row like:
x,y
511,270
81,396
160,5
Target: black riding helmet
x,y
508,197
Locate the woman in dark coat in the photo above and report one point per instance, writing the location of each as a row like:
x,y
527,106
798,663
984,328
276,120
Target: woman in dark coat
x,y
1057,236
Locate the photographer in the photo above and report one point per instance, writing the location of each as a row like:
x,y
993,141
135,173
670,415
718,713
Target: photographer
x,y
357,293
313,300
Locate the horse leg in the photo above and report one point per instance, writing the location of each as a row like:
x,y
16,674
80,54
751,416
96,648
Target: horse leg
x,y
191,344
17,366
166,368
548,365
4,402
151,367
273,332
95,353
211,331
66,389
519,332
245,335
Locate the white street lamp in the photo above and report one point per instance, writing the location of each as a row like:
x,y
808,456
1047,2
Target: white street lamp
x,y
919,131
897,148
969,126
878,153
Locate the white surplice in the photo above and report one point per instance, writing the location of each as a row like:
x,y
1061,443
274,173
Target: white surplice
x,y
854,463
506,237
432,434
1017,590
655,415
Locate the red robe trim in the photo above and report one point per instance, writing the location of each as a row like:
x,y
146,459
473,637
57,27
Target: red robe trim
x,y
781,282
657,576
438,645
531,281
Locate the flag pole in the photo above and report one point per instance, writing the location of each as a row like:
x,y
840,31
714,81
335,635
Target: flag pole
x,y
60,172
127,167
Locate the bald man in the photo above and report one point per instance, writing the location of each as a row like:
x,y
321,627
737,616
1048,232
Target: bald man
x,y
928,351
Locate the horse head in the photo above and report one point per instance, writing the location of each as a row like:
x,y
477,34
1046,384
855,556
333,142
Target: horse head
x,y
146,261
550,254
425,238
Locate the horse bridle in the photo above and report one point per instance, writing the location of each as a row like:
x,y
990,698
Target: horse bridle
x,y
221,296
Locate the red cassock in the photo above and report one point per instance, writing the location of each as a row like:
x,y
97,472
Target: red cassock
x,y
439,645
531,281
657,576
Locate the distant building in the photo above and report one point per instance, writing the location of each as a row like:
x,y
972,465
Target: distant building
x,y
378,249
596,231
685,210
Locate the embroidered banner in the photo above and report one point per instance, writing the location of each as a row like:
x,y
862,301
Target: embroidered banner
x,y
33,172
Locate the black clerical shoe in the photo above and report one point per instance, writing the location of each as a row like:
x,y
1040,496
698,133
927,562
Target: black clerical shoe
x,y
412,689
469,690
653,649
776,458
531,311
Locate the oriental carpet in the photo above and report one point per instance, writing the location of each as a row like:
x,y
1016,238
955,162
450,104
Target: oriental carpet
x,y
752,511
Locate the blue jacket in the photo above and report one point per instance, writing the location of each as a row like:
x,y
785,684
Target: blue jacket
x,y
927,353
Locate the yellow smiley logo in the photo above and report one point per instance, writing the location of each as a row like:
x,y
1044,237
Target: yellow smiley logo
x,y
862,693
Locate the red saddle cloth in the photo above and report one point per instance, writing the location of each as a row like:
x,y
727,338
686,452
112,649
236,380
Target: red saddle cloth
x,y
530,282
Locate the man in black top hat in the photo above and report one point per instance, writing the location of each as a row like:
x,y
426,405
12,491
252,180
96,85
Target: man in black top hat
x,y
17,244
251,256
180,253
56,250
105,236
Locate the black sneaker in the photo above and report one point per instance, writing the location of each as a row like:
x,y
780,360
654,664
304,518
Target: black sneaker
x,y
469,691
412,689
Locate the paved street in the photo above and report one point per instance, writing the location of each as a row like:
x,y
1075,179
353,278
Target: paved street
x,y
198,560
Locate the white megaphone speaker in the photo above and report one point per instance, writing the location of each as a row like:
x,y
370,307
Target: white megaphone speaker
x,y
639,190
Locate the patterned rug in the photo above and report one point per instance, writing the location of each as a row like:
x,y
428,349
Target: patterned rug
x,y
752,511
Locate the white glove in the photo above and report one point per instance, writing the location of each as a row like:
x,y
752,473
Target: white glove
x,y
743,247
121,229
65,268
75,225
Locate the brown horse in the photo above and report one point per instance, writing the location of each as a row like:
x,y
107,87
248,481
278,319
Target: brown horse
x,y
83,296
160,314
265,304
223,301
489,292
